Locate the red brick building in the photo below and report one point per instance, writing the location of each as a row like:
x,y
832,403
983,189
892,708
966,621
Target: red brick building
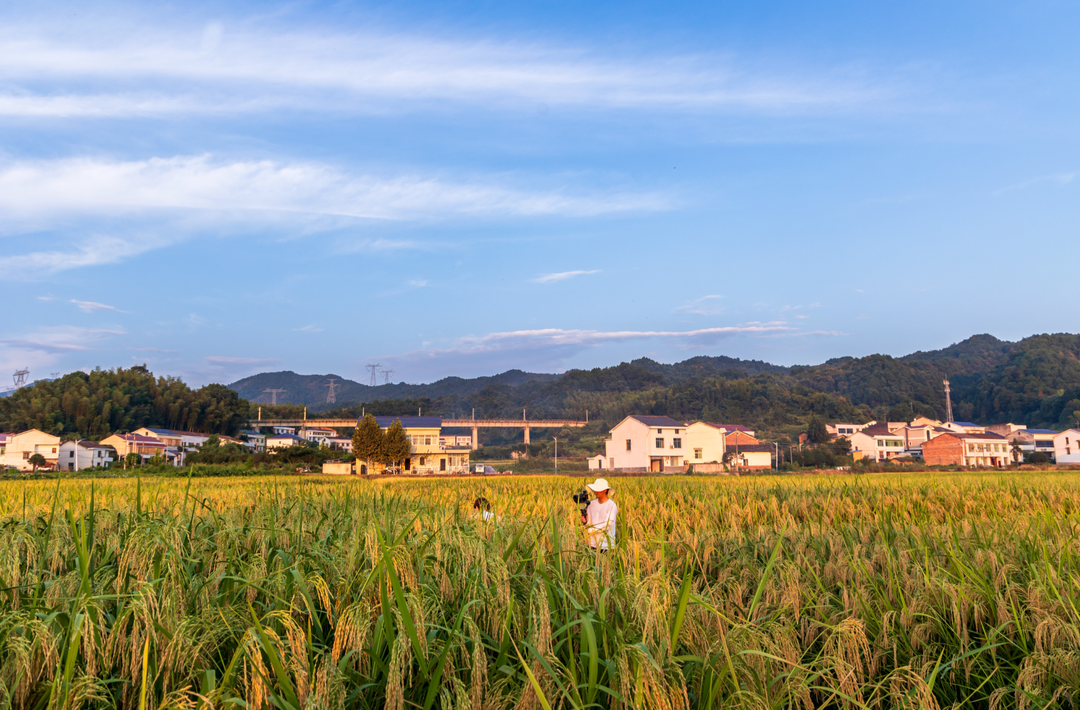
x,y
962,449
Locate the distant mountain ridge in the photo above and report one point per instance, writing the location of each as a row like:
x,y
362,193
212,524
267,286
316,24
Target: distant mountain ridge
x,y
311,390
1035,381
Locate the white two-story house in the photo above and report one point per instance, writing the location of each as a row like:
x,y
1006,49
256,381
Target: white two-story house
x,y
647,443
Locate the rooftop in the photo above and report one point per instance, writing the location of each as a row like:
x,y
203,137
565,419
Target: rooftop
x,y
657,421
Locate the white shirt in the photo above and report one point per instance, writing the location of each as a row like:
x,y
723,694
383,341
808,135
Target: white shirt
x,y
600,519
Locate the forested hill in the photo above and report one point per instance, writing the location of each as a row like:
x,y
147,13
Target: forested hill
x,y
99,403
1035,381
311,390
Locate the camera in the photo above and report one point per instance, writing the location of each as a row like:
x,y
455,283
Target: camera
x,y
582,499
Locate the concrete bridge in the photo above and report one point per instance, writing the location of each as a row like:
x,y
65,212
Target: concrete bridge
x,y
474,424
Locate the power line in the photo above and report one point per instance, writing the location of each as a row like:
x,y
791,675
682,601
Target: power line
x,y
374,373
386,376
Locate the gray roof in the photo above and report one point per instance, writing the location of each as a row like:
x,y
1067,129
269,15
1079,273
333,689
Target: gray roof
x,y
409,422
654,421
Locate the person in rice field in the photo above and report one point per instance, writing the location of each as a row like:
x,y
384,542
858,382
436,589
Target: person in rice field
x,y
600,516
482,510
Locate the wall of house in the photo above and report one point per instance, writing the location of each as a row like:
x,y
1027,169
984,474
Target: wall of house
x,y
1067,446
944,450
637,433
20,447
707,438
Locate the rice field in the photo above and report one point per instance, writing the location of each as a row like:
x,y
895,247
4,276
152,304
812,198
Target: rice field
x,y
891,591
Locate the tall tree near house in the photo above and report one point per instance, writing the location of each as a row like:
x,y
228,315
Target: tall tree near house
x,y
396,446
36,460
817,432
368,440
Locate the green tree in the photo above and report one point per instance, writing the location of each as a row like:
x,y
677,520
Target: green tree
x,y
212,442
37,460
367,441
817,432
132,460
396,445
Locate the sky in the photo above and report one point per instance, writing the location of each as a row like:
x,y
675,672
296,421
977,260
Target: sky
x,y
217,190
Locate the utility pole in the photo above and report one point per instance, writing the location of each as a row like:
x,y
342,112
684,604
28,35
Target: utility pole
x,y
556,453
273,395
948,402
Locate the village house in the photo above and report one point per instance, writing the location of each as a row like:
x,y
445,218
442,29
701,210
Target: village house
x,y
842,430
705,443
432,452
1067,446
646,443
1033,441
877,443
954,448
284,441
20,447
256,441
320,436
145,446
963,427
745,451
171,439
83,454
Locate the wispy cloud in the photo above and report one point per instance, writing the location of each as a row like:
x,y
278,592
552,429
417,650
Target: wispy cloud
x,y
225,360
152,350
95,250
704,306
1056,178
55,340
139,71
94,307
309,329
548,349
562,276
418,283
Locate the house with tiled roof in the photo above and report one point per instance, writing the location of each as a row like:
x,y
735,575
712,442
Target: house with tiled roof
x,y
953,448
877,443
643,442
84,454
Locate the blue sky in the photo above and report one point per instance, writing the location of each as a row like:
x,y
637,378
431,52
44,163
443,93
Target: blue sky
x,y
464,188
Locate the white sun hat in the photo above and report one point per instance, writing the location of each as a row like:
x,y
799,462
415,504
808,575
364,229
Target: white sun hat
x,y
600,484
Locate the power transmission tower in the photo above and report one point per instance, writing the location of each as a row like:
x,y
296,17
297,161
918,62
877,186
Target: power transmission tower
x,y
374,373
20,377
948,402
273,395
386,376
331,394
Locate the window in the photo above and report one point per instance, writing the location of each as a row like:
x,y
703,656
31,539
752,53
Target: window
x,y
676,443
627,444
427,441
659,442
659,431
697,454
71,454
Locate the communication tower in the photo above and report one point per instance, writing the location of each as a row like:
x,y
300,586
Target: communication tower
x,y
331,393
273,395
948,402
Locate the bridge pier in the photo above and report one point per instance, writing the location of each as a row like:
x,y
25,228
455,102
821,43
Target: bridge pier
x,y
527,441
475,438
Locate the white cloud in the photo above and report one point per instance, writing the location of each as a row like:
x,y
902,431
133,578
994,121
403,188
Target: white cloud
x,y
95,250
93,306
165,200
704,306
418,283
35,190
144,70
562,276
